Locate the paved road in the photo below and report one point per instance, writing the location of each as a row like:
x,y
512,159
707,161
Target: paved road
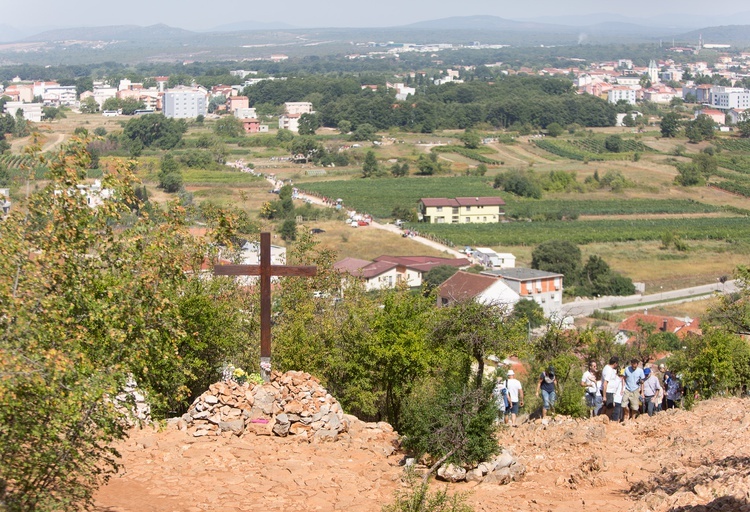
x,y
584,307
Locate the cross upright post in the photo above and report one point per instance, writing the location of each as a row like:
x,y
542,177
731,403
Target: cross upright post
x,y
265,270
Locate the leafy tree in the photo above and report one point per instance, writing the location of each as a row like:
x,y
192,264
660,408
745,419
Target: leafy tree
x,y
715,363
529,311
452,422
429,165
699,129
308,123
78,320
288,230
345,126
478,330
52,113
399,170
307,148
170,176
519,182
370,167
555,130
689,176
155,130
670,125
560,256
471,139
613,143
7,124
229,127
597,278
743,127
364,131
706,164
284,135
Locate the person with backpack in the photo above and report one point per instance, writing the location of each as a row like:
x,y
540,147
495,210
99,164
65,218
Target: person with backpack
x,y
547,385
500,393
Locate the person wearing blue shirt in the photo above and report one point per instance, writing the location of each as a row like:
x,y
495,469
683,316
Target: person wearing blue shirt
x,y
634,378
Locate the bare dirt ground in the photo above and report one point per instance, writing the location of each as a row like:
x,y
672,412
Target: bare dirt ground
x,y
676,461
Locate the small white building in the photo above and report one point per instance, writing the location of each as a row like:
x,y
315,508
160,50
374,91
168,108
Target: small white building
x,y
31,111
490,259
289,122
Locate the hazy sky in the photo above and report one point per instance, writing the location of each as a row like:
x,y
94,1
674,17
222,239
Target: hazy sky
x,y
201,15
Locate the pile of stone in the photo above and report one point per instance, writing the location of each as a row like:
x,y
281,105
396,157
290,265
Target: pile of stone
x,y
501,470
292,403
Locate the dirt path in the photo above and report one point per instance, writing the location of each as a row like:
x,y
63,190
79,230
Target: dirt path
x,y
53,143
571,465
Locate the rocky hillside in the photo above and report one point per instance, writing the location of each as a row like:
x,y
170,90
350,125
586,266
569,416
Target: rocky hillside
x,y
676,461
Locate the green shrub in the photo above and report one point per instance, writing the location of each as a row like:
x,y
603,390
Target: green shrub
x,y
450,419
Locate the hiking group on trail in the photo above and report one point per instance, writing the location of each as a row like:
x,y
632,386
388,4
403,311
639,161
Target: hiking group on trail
x,y
618,393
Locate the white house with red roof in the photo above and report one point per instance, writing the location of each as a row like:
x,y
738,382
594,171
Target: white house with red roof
x,y
461,210
389,271
717,116
481,288
643,322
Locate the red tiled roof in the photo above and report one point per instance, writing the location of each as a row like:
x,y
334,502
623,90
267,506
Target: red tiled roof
x,y
662,323
463,201
424,263
465,285
363,268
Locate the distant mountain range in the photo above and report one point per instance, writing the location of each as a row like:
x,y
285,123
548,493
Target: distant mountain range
x,y
124,32
248,39
599,23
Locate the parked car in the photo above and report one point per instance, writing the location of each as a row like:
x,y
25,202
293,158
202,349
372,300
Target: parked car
x,y
363,223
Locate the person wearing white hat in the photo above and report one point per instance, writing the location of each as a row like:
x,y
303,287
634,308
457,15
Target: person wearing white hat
x,y
515,396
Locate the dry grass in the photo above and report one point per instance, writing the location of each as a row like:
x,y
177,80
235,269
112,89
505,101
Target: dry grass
x,y
661,269
367,242
693,309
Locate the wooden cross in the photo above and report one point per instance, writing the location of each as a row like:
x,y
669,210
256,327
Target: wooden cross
x,y
265,270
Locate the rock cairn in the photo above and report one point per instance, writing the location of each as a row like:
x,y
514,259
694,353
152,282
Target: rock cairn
x,y
292,403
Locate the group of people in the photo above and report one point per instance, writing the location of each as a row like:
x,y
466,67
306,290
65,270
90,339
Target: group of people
x,y
623,393
509,395
620,393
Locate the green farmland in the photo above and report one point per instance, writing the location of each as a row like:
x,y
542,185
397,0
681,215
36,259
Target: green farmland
x,y
735,229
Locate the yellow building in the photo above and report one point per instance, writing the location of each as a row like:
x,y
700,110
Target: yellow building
x,y
461,210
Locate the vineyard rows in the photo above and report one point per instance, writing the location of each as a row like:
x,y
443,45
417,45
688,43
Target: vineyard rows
x,y
566,149
16,161
586,232
380,197
473,154
596,145
742,145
